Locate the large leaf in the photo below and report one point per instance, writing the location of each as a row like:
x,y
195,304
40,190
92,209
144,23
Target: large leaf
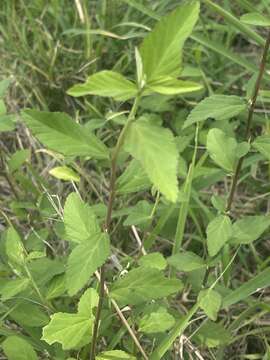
x,y
249,229
114,355
16,348
106,83
160,50
79,219
262,144
143,284
60,133
256,19
218,232
172,86
218,107
222,149
85,259
156,150
73,330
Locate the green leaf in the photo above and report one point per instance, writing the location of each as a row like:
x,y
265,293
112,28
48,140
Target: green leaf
x,y
212,335
27,314
114,355
18,158
210,301
60,133
218,232
156,322
140,214
14,248
143,284
249,229
217,141
85,259
262,144
7,123
154,260
186,261
218,107
4,85
56,287
70,330
79,219
255,19
65,173
133,179
156,150
106,83
73,330
12,288
16,348
171,86
160,50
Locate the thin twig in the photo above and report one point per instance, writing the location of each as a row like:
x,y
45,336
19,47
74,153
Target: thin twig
x,y
249,121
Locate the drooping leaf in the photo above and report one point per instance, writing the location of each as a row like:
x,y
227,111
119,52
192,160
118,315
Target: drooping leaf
x,y
106,83
160,50
154,260
64,173
217,142
172,86
256,19
249,229
114,355
12,288
156,322
79,219
133,179
156,150
262,144
218,107
218,232
210,301
143,284
16,348
60,133
186,261
85,259
70,330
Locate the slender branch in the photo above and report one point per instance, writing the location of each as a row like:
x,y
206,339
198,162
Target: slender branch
x,y
249,121
107,224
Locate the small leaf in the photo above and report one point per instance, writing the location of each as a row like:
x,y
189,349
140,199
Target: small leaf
x,y
160,50
156,150
210,301
7,123
156,322
218,232
14,248
249,229
4,85
27,314
133,179
106,83
60,133
218,107
18,158
140,214
16,348
222,149
255,19
212,335
186,261
143,284
85,259
172,86
64,173
154,260
12,288
79,219
88,301
262,144
114,355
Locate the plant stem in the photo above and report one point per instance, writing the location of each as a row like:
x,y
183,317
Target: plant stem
x,y
107,224
249,121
